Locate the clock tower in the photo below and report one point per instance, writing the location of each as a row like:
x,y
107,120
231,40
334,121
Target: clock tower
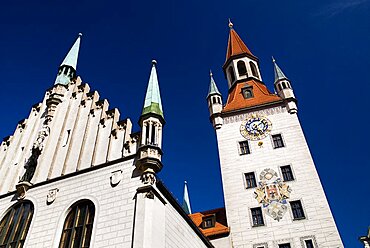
x,y
273,194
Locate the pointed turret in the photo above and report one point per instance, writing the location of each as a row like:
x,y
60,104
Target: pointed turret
x,y
279,74
186,200
212,90
240,63
284,88
67,69
151,123
214,99
153,103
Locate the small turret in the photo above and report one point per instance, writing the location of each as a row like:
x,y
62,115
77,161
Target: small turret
x,y
67,69
284,89
214,99
151,123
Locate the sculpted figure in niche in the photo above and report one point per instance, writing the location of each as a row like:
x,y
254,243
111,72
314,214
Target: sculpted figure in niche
x,y
37,147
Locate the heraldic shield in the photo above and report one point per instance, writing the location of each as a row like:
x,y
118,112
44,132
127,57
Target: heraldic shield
x,y
272,193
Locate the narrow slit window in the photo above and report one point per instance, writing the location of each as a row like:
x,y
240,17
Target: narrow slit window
x,y
231,74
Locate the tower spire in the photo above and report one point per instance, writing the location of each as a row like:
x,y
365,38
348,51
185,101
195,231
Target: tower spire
x,y
279,74
153,103
236,45
67,69
212,86
186,199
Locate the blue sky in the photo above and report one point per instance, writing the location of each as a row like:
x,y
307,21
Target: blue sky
x,y
322,46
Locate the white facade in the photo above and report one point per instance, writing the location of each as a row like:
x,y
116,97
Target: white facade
x,y
306,187
73,149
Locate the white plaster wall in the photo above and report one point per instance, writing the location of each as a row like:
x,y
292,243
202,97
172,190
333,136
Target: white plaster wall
x,y
306,186
224,242
114,207
178,233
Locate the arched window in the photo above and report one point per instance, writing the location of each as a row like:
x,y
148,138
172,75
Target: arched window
x,y
279,86
284,85
241,68
147,133
77,227
153,134
219,100
254,69
214,100
15,224
231,74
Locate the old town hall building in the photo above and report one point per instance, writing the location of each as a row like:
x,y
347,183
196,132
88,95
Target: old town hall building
x,y
74,174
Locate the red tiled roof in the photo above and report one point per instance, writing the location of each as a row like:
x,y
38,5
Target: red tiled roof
x,y
236,46
261,95
220,228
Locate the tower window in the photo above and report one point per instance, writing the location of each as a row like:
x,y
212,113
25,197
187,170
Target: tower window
x,y
242,69
77,227
279,87
15,224
278,141
250,180
219,100
309,243
287,173
214,100
286,245
247,92
153,141
254,69
257,218
147,133
284,85
231,74
244,147
209,221
297,210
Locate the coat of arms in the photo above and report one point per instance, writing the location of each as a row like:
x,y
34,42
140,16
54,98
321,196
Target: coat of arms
x,y
272,193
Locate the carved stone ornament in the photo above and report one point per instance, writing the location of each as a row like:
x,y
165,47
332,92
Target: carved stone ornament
x,y
52,195
116,178
149,195
148,178
22,188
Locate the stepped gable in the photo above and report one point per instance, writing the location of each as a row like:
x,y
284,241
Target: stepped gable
x,y
236,100
81,132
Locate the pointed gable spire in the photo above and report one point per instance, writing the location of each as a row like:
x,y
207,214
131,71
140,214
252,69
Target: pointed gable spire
x,y
279,74
186,200
67,70
212,86
153,103
72,55
235,45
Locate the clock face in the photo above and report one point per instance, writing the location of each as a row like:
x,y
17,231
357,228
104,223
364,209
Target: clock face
x,y
255,128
